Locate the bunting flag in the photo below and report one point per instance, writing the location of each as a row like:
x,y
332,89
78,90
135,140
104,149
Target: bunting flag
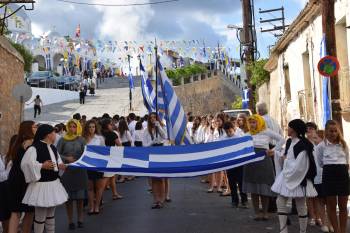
x,y
171,161
175,116
77,31
149,96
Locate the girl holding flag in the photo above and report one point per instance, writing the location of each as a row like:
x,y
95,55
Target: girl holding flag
x,y
155,135
258,177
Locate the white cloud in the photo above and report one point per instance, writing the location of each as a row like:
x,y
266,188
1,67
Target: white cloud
x,y
37,30
124,23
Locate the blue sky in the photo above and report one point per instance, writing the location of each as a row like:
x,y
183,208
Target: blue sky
x,y
182,20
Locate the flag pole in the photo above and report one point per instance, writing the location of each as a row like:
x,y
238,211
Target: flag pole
x,y
156,52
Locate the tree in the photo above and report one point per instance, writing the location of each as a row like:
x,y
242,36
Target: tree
x,y
26,54
259,74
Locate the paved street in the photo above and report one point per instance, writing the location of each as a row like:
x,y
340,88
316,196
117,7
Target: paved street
x,y
191,211
112,97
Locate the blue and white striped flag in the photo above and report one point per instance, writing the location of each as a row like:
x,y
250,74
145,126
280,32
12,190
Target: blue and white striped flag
x,y
149,95
170,161
175,116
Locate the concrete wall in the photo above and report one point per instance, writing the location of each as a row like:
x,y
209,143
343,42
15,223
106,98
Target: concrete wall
x,y
11,73
206,96
302,56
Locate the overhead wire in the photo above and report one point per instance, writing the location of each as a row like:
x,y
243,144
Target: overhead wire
x,y
117,5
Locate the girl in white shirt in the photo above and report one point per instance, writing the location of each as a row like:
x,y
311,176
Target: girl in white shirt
x,y
125,135
138,134
258,177
96,181
333,156
155,135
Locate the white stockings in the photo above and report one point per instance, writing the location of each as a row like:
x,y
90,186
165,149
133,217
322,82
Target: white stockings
x,y
283,213
44,218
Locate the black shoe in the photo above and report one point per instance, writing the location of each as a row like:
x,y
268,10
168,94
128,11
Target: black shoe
x,y
80,225
71,226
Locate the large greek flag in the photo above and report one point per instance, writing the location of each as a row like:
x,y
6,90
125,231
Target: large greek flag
x,y
149,95
174,113
171,161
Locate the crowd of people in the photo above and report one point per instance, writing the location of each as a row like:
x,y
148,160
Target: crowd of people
x,y
309,171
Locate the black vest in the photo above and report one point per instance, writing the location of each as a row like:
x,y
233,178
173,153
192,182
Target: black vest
x,y
300,146
43,155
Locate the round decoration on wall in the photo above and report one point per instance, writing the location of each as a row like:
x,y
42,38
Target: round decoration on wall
x,y
328,66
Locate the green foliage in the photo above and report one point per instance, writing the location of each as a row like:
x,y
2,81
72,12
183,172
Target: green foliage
x,y
26,54
237,104
259,75
185,72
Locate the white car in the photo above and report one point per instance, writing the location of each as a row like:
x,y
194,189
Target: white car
x,y
235,112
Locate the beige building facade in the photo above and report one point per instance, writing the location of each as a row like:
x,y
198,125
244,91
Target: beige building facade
x,y
295,86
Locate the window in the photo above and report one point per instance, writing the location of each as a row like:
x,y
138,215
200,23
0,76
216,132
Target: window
x,y
287,82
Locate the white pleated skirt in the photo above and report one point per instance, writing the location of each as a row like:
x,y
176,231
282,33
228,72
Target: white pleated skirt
x,y
280,188
45,194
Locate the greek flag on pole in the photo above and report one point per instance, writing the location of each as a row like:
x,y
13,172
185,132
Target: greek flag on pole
x,y
245,98
325,87
131,81
174,113
170,161
149,95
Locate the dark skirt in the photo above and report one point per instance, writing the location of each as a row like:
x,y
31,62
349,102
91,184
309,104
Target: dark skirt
x,y
126,144
335,180
258,177
5,212
138,143
94,175
319,190
17,188
92,91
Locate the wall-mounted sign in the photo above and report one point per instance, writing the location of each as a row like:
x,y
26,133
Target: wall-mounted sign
x,y
328,66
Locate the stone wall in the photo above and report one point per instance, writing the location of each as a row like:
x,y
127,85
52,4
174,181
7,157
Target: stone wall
x,y
208,95
11,73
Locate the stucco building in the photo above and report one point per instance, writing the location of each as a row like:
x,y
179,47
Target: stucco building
x,y
295,87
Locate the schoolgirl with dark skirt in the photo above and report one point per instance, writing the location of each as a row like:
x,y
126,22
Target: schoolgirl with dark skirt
x,y
333,156
138,134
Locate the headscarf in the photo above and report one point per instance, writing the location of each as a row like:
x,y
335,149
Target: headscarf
x,y
69,136
42,131
299,127
260,124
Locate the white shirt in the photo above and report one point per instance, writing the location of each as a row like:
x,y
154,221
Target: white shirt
x,y
132,128
273,125
138,135
295,169
97,140
199,137
208,135
31,167
189,126
157,138
144,124
126,137
262,139
4,171
328,153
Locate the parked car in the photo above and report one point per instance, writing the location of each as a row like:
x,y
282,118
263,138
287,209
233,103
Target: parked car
x,y
41,79
67,83
235,112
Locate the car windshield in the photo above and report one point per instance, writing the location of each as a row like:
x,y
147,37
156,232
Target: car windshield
x,y
236,112
40,74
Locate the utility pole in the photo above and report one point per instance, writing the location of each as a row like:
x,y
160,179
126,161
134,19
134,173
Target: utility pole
x,y
248,45
328,26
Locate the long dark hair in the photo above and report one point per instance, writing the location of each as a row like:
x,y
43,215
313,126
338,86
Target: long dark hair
x,y
86,131
196,124
221,116
25,132
123,127
150,125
